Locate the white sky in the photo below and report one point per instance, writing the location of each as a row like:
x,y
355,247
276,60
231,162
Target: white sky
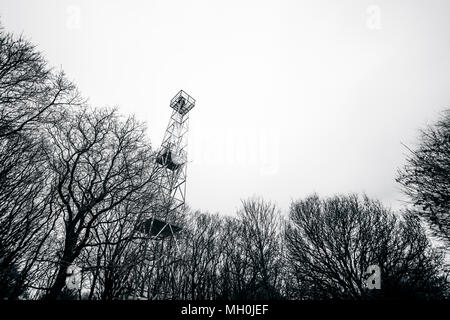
x,y
293,97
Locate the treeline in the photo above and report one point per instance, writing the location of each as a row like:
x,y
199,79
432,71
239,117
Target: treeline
x,y
75,181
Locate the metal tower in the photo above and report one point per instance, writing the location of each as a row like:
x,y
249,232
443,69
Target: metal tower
x,y
162,221
171,165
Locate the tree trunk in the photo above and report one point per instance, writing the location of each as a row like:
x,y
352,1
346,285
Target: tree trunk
x,y
67,259
59,283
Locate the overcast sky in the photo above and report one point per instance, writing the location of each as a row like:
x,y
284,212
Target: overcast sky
x,y
293,97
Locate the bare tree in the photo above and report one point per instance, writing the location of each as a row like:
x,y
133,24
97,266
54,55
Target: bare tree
x,y
117,248
202,256
26,212
260,237
30,95
332,242
99,162
426,176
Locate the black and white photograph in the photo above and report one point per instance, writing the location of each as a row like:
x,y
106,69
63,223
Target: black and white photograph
x,y
223,159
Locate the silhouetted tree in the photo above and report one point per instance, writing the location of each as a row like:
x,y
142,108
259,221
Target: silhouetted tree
x,y
332,242
426,176
99,162
260,232
202,247
115,250
30,95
